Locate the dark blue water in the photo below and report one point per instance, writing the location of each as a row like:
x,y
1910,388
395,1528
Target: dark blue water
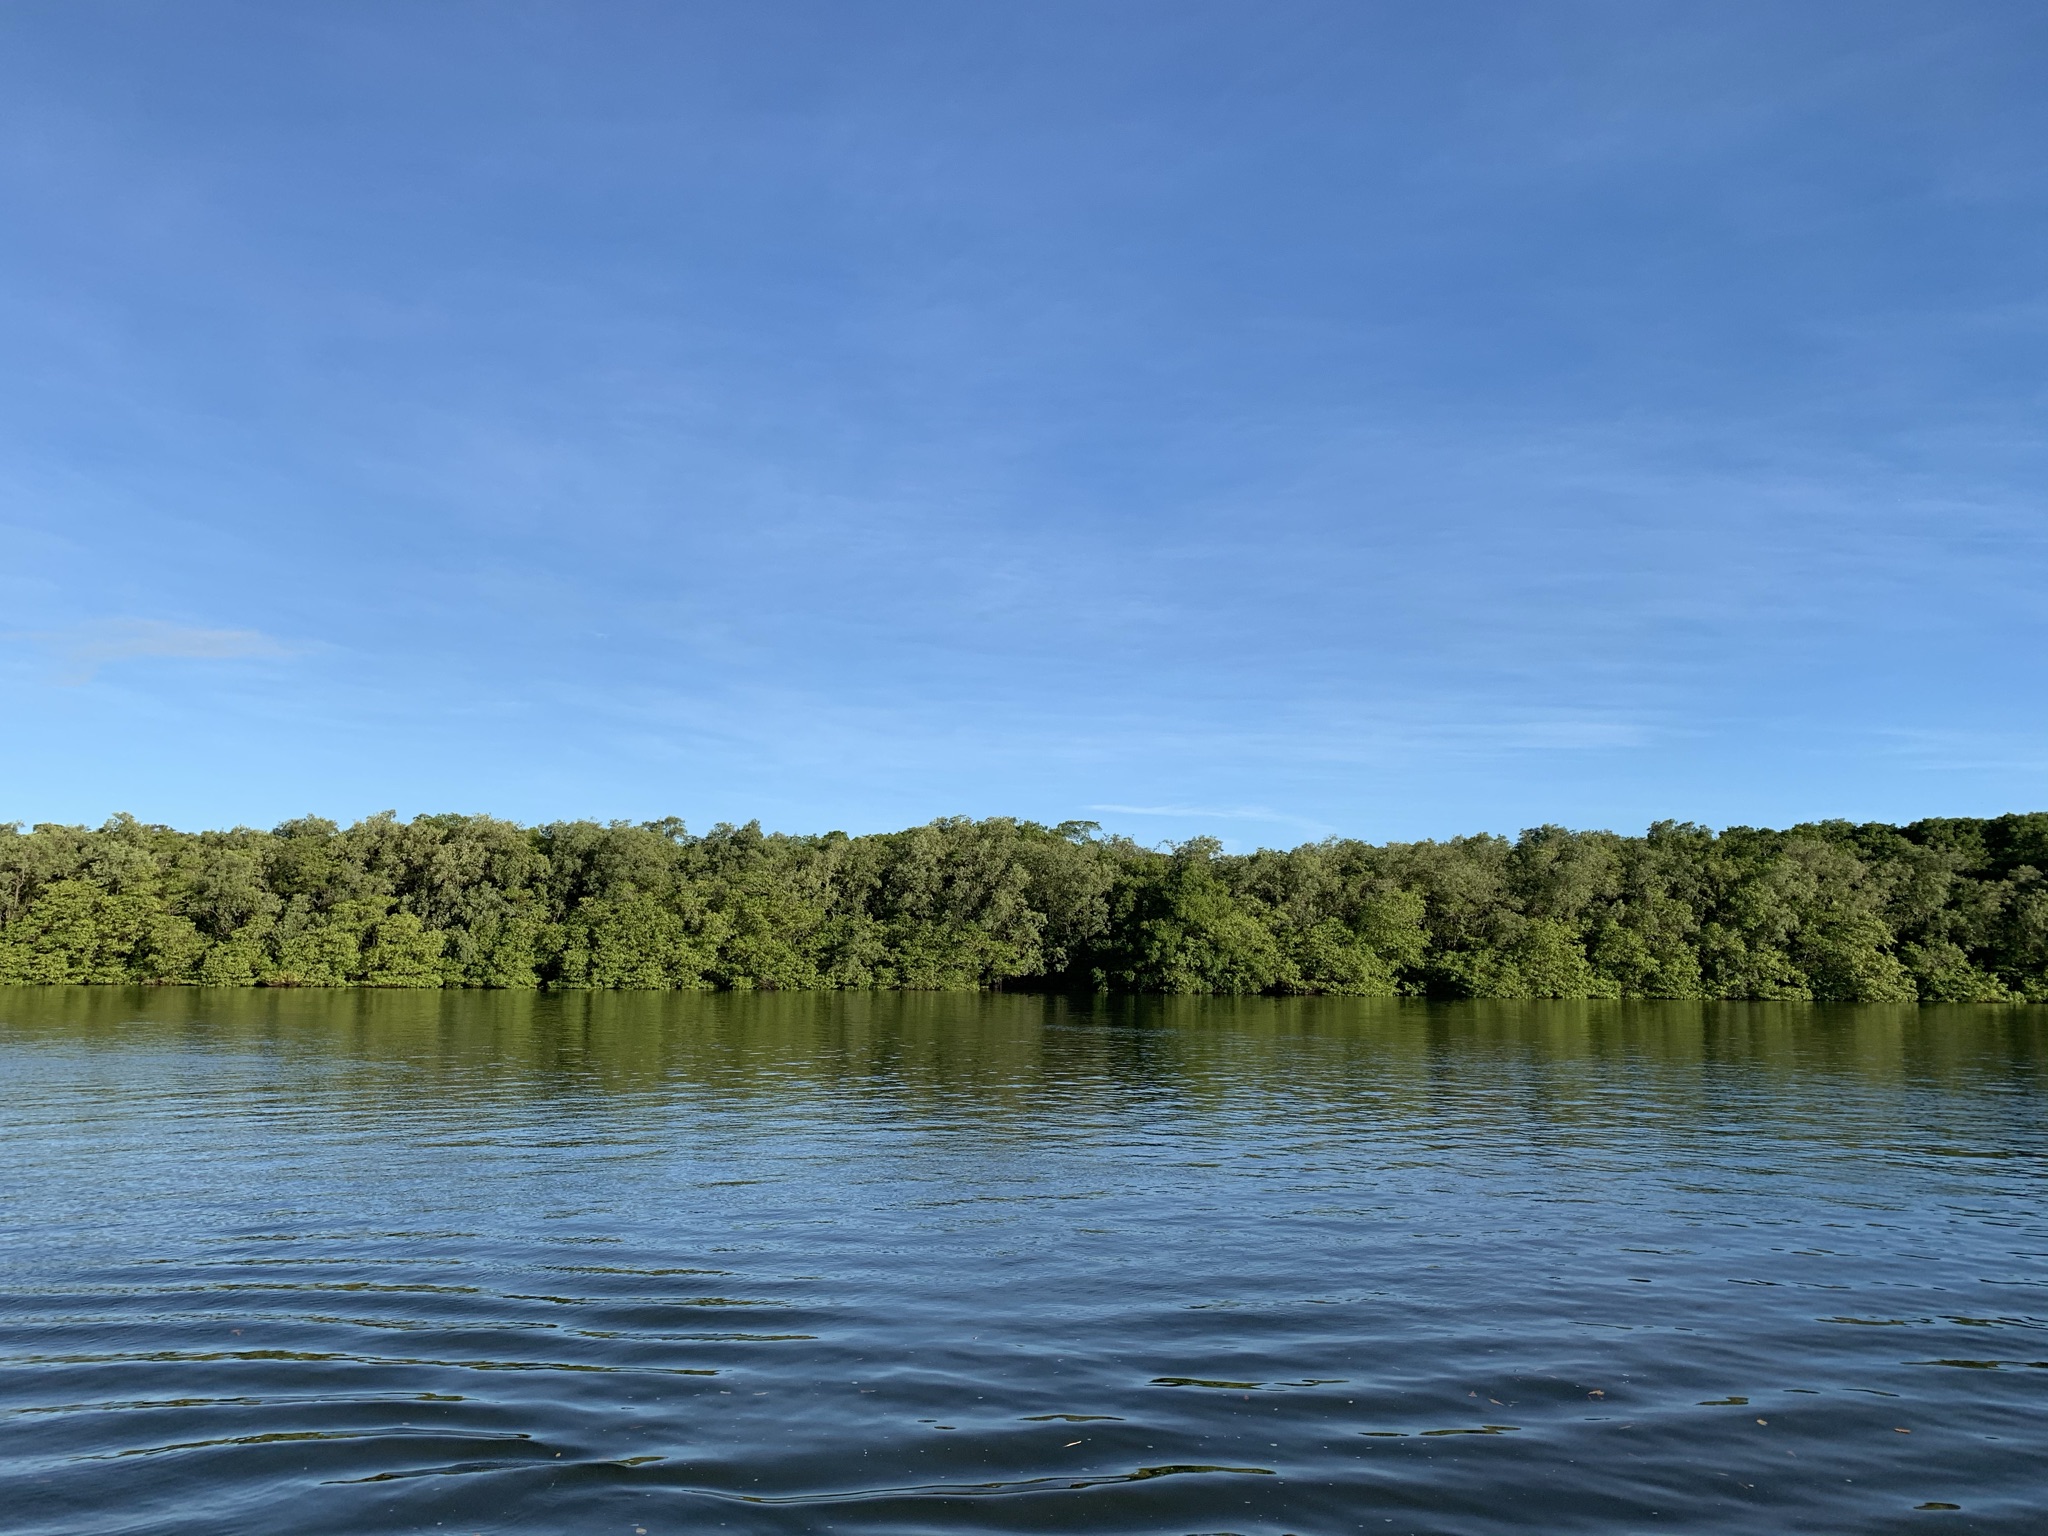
x,y
373,1262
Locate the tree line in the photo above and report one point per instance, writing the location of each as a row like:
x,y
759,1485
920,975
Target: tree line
x,y
1945,910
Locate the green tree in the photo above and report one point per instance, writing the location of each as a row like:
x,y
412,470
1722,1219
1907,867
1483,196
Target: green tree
x,y
637,941
1175,927
401,951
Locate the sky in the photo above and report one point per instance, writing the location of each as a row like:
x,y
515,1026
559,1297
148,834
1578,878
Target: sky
x,y
1265,420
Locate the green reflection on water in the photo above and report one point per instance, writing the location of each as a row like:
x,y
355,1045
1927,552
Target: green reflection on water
x,y
1004,1050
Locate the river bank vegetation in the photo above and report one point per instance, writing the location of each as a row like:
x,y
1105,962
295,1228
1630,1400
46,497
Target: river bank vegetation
x,y
1948,910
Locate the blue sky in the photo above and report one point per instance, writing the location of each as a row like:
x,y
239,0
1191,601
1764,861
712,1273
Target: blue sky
x,y
1269,420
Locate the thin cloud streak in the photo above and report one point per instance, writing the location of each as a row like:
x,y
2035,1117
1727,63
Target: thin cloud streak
x,y
81,651
1215,813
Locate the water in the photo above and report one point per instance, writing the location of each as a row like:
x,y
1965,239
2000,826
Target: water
x,y
292,1262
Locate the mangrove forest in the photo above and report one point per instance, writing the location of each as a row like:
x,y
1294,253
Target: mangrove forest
x,y
1947,910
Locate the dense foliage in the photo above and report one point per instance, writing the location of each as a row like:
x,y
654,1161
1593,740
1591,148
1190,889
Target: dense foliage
x,y
1942,910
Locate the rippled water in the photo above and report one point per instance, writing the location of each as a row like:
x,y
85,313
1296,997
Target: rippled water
x,y
294,1262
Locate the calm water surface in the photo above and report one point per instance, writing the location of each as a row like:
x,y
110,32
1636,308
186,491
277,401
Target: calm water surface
x,y
290,1262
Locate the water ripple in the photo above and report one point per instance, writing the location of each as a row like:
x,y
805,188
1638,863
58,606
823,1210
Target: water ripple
x,y
296,1264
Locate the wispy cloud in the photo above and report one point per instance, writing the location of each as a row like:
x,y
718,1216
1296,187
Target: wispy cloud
x,y
81,651
1214,813
1230,813
1951,751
